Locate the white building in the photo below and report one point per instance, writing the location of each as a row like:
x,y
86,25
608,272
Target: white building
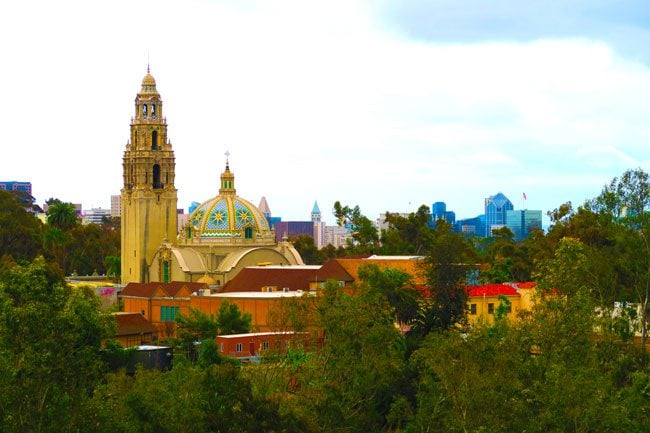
x,y
95,215
116,205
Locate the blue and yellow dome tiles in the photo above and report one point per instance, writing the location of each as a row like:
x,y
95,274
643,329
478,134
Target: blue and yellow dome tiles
x,y
227,215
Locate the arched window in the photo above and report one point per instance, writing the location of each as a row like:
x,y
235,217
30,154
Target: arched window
x,y
248,233
154,140
165,276
153,110
144,110
156,177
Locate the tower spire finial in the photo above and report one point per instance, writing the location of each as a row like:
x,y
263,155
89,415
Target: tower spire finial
x,y
148,71
227,156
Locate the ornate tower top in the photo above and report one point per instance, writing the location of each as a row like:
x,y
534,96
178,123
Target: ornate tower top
x,y
148,105
227,180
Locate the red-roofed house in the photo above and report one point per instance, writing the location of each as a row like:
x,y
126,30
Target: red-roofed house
x,y
484,300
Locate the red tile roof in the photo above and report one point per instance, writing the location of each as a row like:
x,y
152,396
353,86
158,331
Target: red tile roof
x,y
492,290
133,324
146,290
347,269
252,279
332,270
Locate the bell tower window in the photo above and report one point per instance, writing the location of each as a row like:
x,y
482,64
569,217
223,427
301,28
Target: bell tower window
x,y
156,177
154,137
144,110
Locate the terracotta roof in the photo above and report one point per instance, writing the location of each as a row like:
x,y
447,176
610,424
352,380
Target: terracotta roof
x,y
147,290
348,269
332,270
252,279
133,323
492,290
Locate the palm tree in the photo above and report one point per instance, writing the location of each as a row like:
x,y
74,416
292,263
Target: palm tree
x,y
62,215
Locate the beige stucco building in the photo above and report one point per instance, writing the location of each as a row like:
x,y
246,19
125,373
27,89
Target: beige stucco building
x,y
222,236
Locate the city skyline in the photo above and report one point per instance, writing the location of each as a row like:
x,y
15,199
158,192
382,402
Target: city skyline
x,y
367,103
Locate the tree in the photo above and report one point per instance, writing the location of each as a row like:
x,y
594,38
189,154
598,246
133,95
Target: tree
x,y
62,215
230,320
396,286
55,243
500,251
410,235
624,196
50,357
20,231
113,267
187,399
544,373
626,200
195,327
363,230
305,245
446,268
351,382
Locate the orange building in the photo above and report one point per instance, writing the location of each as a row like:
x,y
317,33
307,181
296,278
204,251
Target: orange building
x,y
346,270
160,303
263,291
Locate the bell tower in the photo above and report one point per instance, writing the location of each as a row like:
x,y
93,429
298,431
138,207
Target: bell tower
x,y
148,194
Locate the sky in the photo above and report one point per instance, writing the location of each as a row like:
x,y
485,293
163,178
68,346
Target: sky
x,y
387,105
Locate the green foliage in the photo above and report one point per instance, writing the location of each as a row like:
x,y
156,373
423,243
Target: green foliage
x,y
627,195
113,267
20,231
214,398
350,384
364,233
545,373
193,328
446,267
62,215
304,244
407,236
230,320
49,349
115,356
396,286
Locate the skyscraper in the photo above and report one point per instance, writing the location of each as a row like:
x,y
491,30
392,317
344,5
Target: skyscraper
x,y
521,222
496,207
439,212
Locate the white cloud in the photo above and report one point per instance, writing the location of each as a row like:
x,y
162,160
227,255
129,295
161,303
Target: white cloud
x,y
314,102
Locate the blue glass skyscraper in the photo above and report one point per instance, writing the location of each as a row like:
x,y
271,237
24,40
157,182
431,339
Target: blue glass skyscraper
x,y
496,207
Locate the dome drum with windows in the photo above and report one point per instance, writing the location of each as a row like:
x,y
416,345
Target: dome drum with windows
x,y
228,217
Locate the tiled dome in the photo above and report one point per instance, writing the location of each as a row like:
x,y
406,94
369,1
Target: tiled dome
x,y
227,216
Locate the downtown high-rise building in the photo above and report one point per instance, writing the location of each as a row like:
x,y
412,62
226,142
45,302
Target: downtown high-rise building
x,y
496,207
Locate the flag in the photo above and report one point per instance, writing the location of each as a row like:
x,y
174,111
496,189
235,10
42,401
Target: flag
x,y
524,196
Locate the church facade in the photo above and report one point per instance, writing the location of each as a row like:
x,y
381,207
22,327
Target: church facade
x,y
222,236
